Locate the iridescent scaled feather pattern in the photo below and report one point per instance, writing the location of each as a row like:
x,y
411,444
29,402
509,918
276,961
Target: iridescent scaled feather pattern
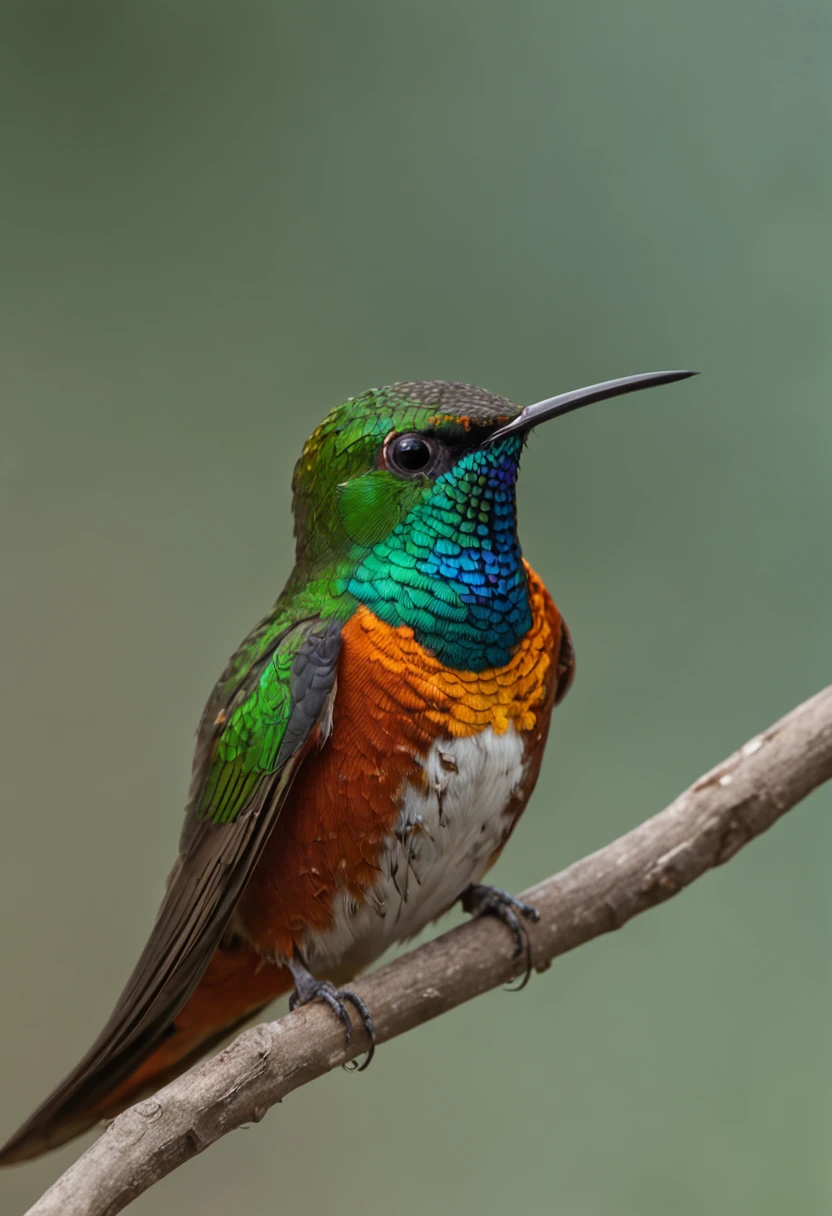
x,y
452,569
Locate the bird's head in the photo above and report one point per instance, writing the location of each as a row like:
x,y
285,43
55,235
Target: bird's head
x,y
404,497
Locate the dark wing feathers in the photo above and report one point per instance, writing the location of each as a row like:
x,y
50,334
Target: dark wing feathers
x,y
248,752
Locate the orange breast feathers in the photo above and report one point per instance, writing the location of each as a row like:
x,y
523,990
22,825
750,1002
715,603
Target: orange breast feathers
x,y
394,700
398,676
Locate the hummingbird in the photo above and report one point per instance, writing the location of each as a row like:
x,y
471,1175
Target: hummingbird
x,y
369,748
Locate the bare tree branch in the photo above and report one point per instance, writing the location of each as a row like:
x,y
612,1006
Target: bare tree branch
x,y
703,828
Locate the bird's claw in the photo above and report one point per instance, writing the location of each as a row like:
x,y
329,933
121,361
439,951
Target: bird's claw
x,y
307,989
482,900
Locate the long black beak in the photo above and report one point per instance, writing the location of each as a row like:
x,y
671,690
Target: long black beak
x,y
553,407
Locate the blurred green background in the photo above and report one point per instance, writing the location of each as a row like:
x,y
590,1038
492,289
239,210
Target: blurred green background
x,y
221,219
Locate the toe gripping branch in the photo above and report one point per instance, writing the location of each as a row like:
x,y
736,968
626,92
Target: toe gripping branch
x,y
307,989
477,900
482,900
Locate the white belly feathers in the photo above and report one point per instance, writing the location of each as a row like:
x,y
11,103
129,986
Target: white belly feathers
x,y
443,841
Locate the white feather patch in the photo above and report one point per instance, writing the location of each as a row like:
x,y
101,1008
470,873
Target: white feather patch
x,y
443,841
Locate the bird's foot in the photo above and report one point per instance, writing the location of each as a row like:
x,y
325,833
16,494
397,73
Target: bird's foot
x,y
482,900
307,989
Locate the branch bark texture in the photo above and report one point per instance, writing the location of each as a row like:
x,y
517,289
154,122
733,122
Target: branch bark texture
x,y
704,827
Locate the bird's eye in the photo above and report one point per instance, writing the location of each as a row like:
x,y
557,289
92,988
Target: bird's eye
x,y
408,455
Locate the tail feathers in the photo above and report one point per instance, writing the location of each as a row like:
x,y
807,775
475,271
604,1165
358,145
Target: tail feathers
x,y
236,986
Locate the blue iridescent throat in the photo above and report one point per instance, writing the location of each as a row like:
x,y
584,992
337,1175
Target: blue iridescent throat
x,y
452,570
